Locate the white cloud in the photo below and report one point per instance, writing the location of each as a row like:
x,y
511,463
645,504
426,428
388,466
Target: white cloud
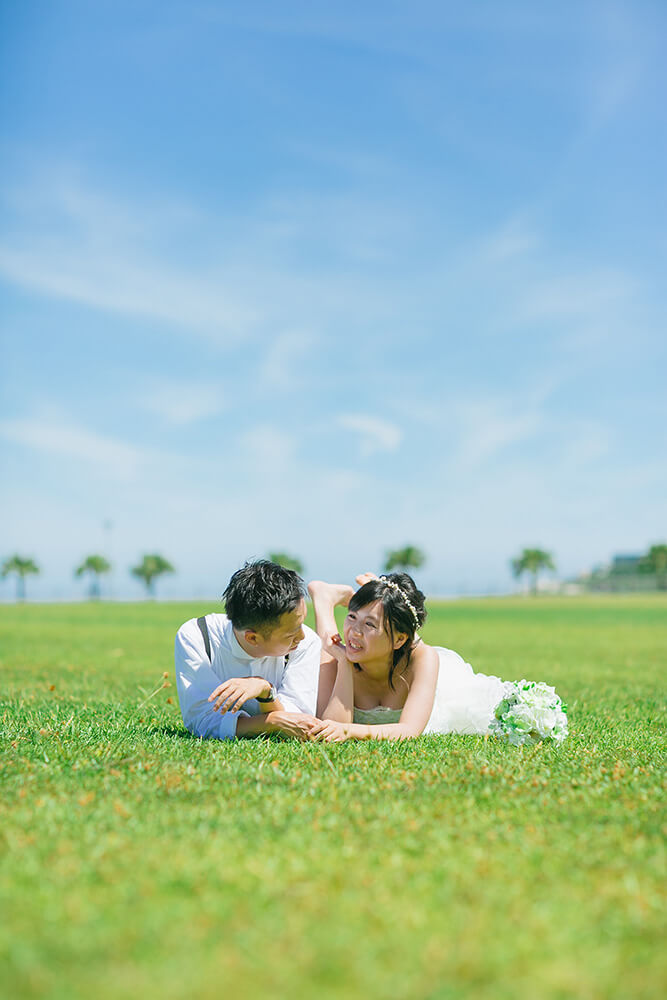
x,y
376,434
484,427
283,362
585,442
266,449
181,403
112,279
514,239
114,457
75,244
204,274
586,296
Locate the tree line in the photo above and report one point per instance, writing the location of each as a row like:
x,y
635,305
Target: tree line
x,y
94,568
153,566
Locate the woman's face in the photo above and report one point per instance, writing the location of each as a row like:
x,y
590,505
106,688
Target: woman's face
x,y
365,635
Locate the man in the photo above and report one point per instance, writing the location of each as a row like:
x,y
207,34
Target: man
x,y
254,669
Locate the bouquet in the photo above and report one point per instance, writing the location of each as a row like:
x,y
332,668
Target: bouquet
x,y
530,711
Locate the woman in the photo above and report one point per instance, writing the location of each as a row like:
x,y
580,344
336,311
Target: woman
x,y
384,682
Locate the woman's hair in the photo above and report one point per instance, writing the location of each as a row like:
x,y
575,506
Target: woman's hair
x,y
402,611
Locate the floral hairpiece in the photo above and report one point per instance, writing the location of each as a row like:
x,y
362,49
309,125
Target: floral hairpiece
x,y
395,586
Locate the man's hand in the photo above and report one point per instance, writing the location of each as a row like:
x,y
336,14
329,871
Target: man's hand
x,y
233,694
329,731
295,724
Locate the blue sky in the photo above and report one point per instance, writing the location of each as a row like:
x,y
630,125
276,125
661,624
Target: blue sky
x,y
331,278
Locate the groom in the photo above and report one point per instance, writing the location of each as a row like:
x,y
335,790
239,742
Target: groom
x,y
254,669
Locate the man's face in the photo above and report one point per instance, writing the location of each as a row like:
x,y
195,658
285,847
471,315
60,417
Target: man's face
x,y
285,637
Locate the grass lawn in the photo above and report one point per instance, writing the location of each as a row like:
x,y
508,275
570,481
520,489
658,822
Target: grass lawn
x,y
140,862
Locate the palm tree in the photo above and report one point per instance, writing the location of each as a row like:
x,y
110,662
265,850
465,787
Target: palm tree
x,y
95,565
406,559
149,568
532,561
22,568
289,562
655,561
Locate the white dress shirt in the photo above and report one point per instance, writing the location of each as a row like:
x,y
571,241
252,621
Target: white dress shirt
x,y
296,682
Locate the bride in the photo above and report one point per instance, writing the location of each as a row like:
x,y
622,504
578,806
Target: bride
x,y
384,682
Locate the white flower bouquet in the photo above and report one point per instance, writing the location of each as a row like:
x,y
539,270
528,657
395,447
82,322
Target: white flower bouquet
x,y
530,711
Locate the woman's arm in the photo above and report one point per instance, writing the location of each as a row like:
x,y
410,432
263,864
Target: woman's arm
x,y
341,702
416,711
325,597
340,706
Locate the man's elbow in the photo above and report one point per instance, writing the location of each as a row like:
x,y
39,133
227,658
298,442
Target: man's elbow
x,y
207,727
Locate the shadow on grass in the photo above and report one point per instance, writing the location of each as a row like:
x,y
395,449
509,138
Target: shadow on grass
x,y
179,731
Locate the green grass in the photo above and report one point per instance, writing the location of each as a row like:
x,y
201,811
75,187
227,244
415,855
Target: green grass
x,y
138,861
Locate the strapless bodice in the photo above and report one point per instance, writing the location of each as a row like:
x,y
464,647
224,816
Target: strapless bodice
x,y
379,716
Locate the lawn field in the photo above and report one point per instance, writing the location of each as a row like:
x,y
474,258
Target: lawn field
x,y
138,861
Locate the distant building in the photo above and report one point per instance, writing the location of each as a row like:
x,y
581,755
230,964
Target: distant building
x,y
624,573
625,564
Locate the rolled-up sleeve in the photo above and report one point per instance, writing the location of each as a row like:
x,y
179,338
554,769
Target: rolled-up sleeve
x,y
297,691
194,681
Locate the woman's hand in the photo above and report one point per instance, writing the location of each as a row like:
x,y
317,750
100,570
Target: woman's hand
x,y
233,694
331,732
334,646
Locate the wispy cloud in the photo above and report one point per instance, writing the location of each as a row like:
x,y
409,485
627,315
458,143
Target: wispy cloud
x,y
114,457
180,403
102,252
267,449
283,364
487,429
587,296
375,433
516,238
284,264
624,55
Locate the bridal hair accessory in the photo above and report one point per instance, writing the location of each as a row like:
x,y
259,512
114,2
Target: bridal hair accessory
x,y
395,586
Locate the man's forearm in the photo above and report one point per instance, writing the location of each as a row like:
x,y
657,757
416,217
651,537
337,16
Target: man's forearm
x,y
271,706
248,726
296,725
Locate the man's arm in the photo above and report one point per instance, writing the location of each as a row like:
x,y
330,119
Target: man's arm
x,y
297,691
195,680
301,727
232,695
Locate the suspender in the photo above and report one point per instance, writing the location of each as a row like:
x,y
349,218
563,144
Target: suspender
x,y
203,628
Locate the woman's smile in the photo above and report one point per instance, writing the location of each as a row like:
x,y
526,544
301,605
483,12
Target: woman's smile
x,y
365,636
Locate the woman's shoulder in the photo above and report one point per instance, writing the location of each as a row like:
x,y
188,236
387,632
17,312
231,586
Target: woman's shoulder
x,y
423,656
437,653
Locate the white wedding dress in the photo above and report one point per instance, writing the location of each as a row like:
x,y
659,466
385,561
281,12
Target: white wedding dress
x,y
464,701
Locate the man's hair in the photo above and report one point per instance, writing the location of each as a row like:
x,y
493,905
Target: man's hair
x,y
260,593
